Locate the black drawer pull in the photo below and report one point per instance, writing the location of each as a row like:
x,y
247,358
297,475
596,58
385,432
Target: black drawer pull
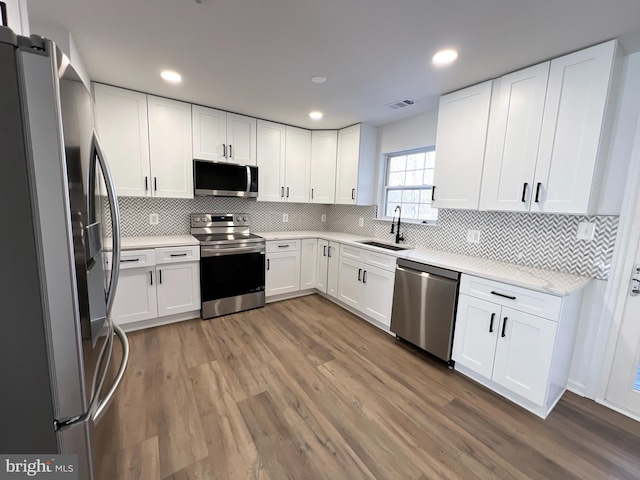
x,y
493,316
504,327
159,276
503,295
324,250
364,277
130,260
178,254
268,264
433,193
151,277
283,246
524,192
359,274
538,192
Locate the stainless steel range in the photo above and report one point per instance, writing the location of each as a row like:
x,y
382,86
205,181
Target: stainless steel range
x,y
231,263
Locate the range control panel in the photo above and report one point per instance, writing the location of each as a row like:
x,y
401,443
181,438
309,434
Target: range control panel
x,y
199,220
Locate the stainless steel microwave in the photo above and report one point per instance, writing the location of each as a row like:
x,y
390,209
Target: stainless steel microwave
x,y
224,179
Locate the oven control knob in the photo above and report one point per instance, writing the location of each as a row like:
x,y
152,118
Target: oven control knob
x,y
244,219
197,219
239,219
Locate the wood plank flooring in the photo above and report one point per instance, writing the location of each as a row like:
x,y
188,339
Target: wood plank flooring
x,y
304,390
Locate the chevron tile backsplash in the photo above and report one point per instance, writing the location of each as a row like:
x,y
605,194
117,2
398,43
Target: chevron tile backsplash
x,y
543,241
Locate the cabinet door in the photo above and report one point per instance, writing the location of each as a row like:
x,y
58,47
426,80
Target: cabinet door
x,y
241,139
350,287
524,353
322,268
513,138
297,173
378,293
270,153
324,145
283,273
170,148
476,333
135,296
333,269
121,123
178,288
572,128
347,165
308,263
461,137
209,134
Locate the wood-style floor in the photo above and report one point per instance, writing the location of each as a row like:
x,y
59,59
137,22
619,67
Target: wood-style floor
x,y
304,390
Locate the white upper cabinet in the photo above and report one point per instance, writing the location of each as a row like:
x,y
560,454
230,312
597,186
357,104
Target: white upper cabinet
x,y
572,131
121,123
356,165
223,137
170,147
209,134
297,173
512,143
271,151
241,139
461,137
324,145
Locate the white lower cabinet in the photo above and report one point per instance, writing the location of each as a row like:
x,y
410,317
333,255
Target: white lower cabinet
x,y
148,289
283,273
327,269
350,288
524,357
378,294
308,263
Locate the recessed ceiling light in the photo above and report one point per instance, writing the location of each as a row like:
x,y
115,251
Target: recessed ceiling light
x,y
445,57
315,115
171,76
318,79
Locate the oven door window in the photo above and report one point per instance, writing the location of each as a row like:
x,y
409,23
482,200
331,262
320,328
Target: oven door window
x,y
231,275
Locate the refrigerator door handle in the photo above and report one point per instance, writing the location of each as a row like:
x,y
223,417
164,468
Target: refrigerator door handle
x,y
104,404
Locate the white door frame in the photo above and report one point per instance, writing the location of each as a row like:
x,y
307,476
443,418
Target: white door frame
x,y
619,279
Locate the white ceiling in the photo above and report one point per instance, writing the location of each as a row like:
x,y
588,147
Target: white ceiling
x,y
257,56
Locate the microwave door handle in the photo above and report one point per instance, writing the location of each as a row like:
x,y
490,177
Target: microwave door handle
x,y
248,179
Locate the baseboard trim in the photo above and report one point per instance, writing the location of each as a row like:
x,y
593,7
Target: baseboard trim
x,y
157,322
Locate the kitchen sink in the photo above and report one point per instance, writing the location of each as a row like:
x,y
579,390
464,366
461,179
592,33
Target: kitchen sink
x,y
373,243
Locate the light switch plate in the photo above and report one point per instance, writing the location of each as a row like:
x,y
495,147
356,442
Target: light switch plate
x,y
586,231
323,217
361,222
154,219
285,217
473,236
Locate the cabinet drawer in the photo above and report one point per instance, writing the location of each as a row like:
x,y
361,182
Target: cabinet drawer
x,y
283,246
132,259
387,262
522,299
177,254
354,253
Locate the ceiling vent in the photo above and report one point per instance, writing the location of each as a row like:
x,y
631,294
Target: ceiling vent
x,y
400,104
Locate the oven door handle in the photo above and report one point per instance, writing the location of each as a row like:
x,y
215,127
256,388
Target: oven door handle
x,y
219,252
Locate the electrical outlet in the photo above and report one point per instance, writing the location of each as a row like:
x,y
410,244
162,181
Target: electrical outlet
x,y
473,236
586,231
323,217
154,219
361,222
285,217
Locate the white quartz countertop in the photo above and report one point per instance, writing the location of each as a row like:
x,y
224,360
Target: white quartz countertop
x,y
140,243
555,283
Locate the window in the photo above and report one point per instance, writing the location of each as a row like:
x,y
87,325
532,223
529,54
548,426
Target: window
x,y
409,181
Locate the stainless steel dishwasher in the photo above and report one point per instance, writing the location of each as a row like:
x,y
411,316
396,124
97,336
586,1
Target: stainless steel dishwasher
x,y
424,306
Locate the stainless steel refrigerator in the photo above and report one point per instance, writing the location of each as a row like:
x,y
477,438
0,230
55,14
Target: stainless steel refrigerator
x,y
61,356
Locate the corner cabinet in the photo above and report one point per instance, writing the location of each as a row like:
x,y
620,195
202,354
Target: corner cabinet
x,y
356,165
515,341
461,136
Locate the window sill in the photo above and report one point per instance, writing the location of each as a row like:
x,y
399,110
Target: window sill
x,y
407,221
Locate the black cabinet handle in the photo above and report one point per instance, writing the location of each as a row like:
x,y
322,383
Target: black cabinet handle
x,y
312,193
130,260
524,192
538,192
353,194
282,192
502,295
146,183
159,276
230,151
287,192
283,246
151,277
324,250
268,264
329,255
493,316
155,184
364,277
433,193
224,150
504,327
178,254
359,274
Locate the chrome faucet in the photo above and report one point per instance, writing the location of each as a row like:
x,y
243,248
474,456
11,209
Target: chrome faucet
x,y
394,228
